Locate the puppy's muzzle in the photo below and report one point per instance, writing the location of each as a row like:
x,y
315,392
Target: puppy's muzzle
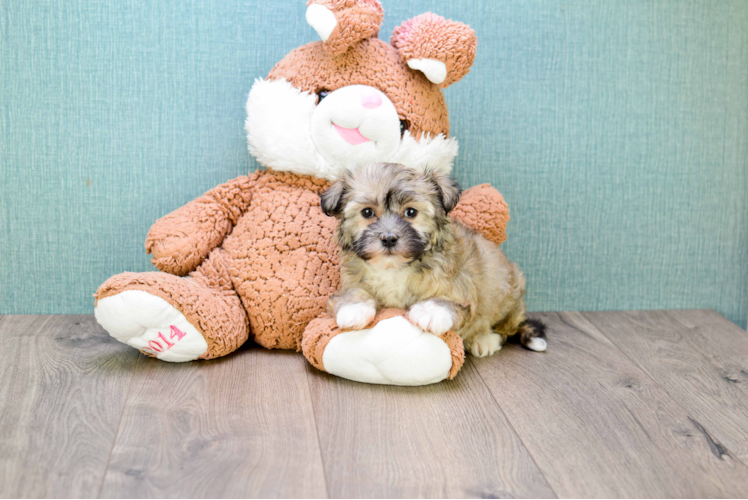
x,y
389,240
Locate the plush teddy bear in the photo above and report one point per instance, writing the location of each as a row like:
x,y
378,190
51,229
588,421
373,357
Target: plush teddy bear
x,y
256,257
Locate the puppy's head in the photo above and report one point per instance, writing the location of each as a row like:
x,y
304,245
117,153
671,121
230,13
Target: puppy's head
x,y
389,213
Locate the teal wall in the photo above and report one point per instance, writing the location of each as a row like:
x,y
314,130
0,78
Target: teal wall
x,y
616,129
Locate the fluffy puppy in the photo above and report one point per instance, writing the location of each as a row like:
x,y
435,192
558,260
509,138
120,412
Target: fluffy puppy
x,y
399,248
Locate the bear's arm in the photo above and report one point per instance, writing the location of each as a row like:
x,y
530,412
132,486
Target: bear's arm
x,y
483,209
181,240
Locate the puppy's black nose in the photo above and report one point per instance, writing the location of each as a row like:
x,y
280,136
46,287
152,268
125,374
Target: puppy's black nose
x,y
389,240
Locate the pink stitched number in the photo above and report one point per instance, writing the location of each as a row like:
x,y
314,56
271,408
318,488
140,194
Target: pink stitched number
x,y
155,345
169,344
176,332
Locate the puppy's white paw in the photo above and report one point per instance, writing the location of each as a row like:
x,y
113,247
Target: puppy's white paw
x,y
355,316
431,316
486,345
537,344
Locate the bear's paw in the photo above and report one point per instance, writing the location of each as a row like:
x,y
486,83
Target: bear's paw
x,y
151,325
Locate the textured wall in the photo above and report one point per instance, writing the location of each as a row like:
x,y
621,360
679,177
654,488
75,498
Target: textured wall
x,y
616,129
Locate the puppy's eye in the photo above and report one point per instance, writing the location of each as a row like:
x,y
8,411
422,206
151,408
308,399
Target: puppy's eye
x,y
410,213
367,213
321,94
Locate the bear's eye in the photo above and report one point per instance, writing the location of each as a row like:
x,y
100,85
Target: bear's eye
x,y
367,213
321,94
404,125
410,213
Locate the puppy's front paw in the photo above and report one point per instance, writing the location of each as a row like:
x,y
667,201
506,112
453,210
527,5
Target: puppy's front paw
x,y
355,316
486,345
431,316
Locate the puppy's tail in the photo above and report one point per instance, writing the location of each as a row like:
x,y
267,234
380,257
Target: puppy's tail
x,y
531,334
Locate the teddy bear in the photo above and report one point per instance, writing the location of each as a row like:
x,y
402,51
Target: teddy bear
x,y
256,257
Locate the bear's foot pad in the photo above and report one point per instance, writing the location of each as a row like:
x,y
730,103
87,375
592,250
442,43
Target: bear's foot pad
x,y
151,325
393,352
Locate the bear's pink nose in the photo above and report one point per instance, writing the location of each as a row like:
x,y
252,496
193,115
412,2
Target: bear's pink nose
x,y
371,99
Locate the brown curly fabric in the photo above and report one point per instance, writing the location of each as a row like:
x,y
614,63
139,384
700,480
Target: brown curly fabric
x,y
283,258
357,20
317,335
322,329
181,240
372,62
483,209
433,37
457,349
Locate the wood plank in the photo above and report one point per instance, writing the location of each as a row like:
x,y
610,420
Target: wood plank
x,y
722,341
239,426
598,426
64,386
443,440
699,357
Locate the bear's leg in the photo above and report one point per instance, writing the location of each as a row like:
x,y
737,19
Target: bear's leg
x,y
175,319
391,351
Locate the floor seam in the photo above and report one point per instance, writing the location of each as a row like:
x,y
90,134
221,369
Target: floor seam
x,y
316,428
508,421
119,425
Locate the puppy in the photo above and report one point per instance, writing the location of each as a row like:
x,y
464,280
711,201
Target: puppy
x,y
399,248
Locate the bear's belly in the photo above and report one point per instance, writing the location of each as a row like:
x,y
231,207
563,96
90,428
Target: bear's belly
x,y
283,258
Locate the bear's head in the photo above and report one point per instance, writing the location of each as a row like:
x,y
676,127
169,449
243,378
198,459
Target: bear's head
x,y
352,99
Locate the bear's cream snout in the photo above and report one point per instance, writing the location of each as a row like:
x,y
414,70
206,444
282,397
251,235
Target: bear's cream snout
x,y
356,124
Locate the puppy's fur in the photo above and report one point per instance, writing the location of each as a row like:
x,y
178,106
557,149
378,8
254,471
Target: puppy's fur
x,y
399,248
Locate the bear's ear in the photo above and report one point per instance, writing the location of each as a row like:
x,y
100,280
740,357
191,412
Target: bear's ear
x,y
442,50
343,23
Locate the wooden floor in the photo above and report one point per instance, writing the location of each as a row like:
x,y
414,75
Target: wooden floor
x,y
623,404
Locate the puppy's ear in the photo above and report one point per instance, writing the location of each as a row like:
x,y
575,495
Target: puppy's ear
x,y
332,199
449,190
